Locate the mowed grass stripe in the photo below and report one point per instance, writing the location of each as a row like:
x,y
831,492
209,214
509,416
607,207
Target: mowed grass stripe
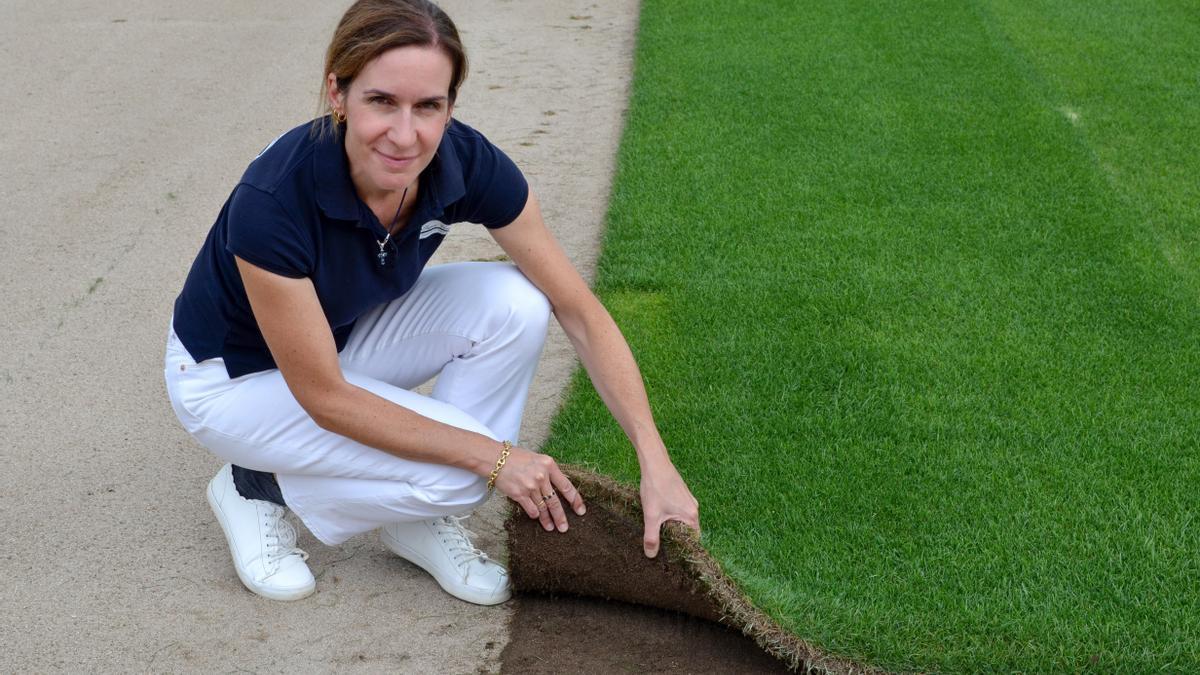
x,y
908,335
1125,75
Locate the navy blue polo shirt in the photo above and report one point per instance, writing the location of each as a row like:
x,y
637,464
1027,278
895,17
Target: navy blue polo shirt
x,y
295,213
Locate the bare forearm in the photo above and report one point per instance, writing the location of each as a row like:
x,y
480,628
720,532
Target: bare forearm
x,y
358,414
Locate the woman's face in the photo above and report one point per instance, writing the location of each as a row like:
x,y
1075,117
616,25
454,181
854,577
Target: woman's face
x,y
396,109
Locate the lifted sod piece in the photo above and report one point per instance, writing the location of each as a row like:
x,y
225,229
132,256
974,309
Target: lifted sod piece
x,y
601,556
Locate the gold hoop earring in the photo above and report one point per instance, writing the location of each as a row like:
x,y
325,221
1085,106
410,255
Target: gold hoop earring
x,y
339,116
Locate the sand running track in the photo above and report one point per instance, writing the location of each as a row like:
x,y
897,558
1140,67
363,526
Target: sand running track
x,y
125,125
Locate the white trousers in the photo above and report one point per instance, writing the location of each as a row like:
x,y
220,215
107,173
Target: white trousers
x,y
479,327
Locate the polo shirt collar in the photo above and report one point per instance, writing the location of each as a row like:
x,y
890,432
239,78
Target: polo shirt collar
x,y
442,179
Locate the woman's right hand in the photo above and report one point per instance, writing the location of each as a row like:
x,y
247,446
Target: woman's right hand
x,y
535,482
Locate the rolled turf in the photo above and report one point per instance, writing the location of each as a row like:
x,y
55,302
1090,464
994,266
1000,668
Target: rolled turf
x,y
601,556
914,288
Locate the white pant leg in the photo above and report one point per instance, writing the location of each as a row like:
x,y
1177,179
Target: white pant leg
x,y
480,325
338,486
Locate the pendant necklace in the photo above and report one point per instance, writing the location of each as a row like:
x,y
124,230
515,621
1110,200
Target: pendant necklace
x,y
382,256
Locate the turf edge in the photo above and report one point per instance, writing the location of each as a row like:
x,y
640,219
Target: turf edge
x,y
685,577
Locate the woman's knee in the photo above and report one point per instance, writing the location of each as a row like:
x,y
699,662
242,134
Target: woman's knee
x,y
520,300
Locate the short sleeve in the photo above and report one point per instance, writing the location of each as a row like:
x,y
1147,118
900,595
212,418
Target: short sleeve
x,y
496,189
262,233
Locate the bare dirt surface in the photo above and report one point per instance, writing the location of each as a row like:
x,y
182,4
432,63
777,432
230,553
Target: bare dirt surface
x,y
126,125
565,634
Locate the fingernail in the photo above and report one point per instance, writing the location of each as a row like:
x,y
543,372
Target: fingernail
x,y
562,528
549,527
582,510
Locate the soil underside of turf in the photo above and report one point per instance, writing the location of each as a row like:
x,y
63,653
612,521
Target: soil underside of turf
x,y
589,600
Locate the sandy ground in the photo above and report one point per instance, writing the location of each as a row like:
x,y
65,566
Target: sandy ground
x,y
125,125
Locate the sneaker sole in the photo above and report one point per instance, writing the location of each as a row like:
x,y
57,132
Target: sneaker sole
x,y
283,596
450,586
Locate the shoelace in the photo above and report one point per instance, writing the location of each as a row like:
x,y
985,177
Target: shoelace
x,y
458,539
281,540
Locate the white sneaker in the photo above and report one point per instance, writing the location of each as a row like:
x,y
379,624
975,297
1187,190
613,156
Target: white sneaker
x,y
443,548
263,544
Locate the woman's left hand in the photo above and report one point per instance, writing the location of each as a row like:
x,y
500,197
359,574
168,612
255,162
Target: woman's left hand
x,y
665,497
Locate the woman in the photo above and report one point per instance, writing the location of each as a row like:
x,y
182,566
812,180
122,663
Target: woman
x,y
308,316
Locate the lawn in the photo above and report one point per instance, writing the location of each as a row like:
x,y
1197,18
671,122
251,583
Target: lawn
x,y
915,288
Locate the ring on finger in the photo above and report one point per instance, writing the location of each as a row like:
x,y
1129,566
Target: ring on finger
x,y
549,496
541,504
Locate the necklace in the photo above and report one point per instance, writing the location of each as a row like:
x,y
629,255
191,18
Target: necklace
x,y
382,256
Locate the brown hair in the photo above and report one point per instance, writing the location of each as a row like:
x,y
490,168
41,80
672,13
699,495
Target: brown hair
x,y
371,27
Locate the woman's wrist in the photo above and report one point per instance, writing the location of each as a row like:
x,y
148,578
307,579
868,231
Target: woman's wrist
x,y
505,449
651,451
482,456
654,460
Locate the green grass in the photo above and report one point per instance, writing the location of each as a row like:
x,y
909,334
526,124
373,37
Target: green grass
x,y
915,288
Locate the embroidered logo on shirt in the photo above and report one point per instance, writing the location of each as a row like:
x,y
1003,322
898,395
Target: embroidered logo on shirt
x,y
434,227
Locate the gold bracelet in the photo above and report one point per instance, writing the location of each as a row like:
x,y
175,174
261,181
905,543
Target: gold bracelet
x,y
499,464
